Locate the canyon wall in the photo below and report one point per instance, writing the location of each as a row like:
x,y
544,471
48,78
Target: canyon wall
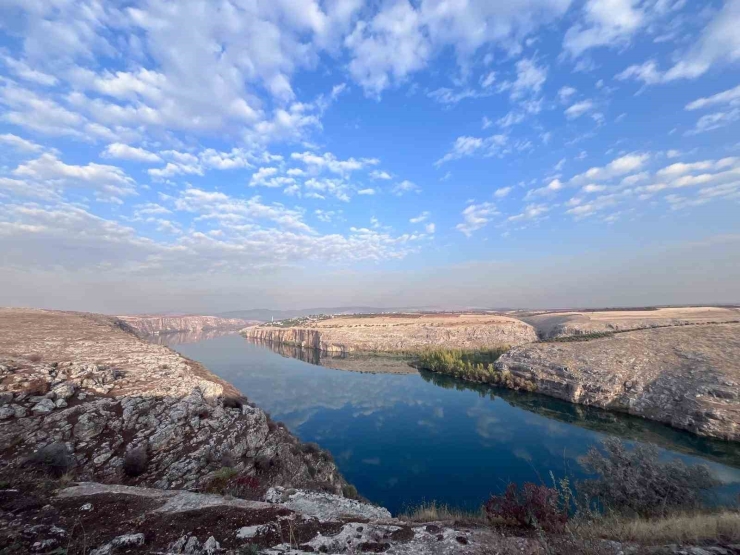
x,y
159,325
684,376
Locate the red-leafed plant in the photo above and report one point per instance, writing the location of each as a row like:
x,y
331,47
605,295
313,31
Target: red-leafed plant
x,y
531,506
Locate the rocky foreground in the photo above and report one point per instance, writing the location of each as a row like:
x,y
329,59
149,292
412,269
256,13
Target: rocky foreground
x,y
111,444
687,376
406,333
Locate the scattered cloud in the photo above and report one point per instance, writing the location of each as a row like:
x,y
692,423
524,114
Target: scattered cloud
x,y
475,217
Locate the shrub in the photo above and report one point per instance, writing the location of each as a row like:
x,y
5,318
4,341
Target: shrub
x,y
532,506
244,487
311,448
312,470
55,458
349,491
271,426
227,459
637,482
263,463
135,461
233,403
35,357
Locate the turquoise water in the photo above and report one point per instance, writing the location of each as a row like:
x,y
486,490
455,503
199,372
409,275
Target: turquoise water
x,y
404,439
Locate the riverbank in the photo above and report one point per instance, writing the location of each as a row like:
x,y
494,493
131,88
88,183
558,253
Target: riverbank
x,y
188,465
676,366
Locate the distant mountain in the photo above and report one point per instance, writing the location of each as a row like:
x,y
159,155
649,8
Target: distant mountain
x,y
266,314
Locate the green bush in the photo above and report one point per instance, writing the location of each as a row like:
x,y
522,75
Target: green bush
x,y
472,365
637,483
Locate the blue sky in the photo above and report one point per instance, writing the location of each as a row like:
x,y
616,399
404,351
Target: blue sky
x,y
208,156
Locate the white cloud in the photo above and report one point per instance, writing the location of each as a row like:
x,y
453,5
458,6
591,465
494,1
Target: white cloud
x,y
367,191
380,174
502,192
19,143
401,38
25,72
529,79
730,97
551,188
565,93
406,186
261,176
719,43
715,120
328,161
617,167
48,168
605,23
530,212
126,152
468,146
646,72
511,118
450,96
579,108
420,218
475,217
430,228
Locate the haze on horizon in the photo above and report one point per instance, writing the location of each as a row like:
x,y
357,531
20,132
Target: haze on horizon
x,y
207,157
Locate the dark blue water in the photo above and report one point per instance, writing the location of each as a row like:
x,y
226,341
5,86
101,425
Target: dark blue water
x,y
404,439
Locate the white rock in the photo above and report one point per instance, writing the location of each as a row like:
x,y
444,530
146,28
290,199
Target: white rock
x,y
87,507
247,532
44,406
128,540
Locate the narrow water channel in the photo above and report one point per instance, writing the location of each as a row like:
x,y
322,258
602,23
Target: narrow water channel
x,y
407,438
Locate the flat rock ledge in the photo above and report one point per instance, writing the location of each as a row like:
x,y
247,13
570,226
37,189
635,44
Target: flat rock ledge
x,y
104,519
687,377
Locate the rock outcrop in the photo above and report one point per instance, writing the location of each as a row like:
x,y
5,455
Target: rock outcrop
x,y
686,376
551,325
159,325
101,400
400,334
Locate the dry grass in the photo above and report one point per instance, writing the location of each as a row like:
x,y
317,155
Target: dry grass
x,y
689,528
435,512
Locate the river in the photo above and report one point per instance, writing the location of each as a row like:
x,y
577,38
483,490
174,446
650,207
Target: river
x,y
403,439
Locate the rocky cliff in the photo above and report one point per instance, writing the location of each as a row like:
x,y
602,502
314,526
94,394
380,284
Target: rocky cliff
x,y
157,325
97,393
401,334
686,376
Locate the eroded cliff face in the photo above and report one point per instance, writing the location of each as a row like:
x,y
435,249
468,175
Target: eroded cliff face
x,y
686,376
400,334
84,382
157,325
299,337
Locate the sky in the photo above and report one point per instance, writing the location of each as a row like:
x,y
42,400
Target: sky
x,y
206,156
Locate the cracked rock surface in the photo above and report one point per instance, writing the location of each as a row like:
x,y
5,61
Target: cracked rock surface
x,y
684,376
86,384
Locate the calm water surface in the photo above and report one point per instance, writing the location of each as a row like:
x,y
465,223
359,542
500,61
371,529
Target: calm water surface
x,y
404,439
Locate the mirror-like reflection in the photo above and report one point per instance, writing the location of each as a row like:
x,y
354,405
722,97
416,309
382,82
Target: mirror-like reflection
x,y
184,337
405,438
378,364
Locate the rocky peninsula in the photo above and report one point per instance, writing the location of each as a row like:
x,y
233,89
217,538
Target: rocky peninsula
x,y
402,333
